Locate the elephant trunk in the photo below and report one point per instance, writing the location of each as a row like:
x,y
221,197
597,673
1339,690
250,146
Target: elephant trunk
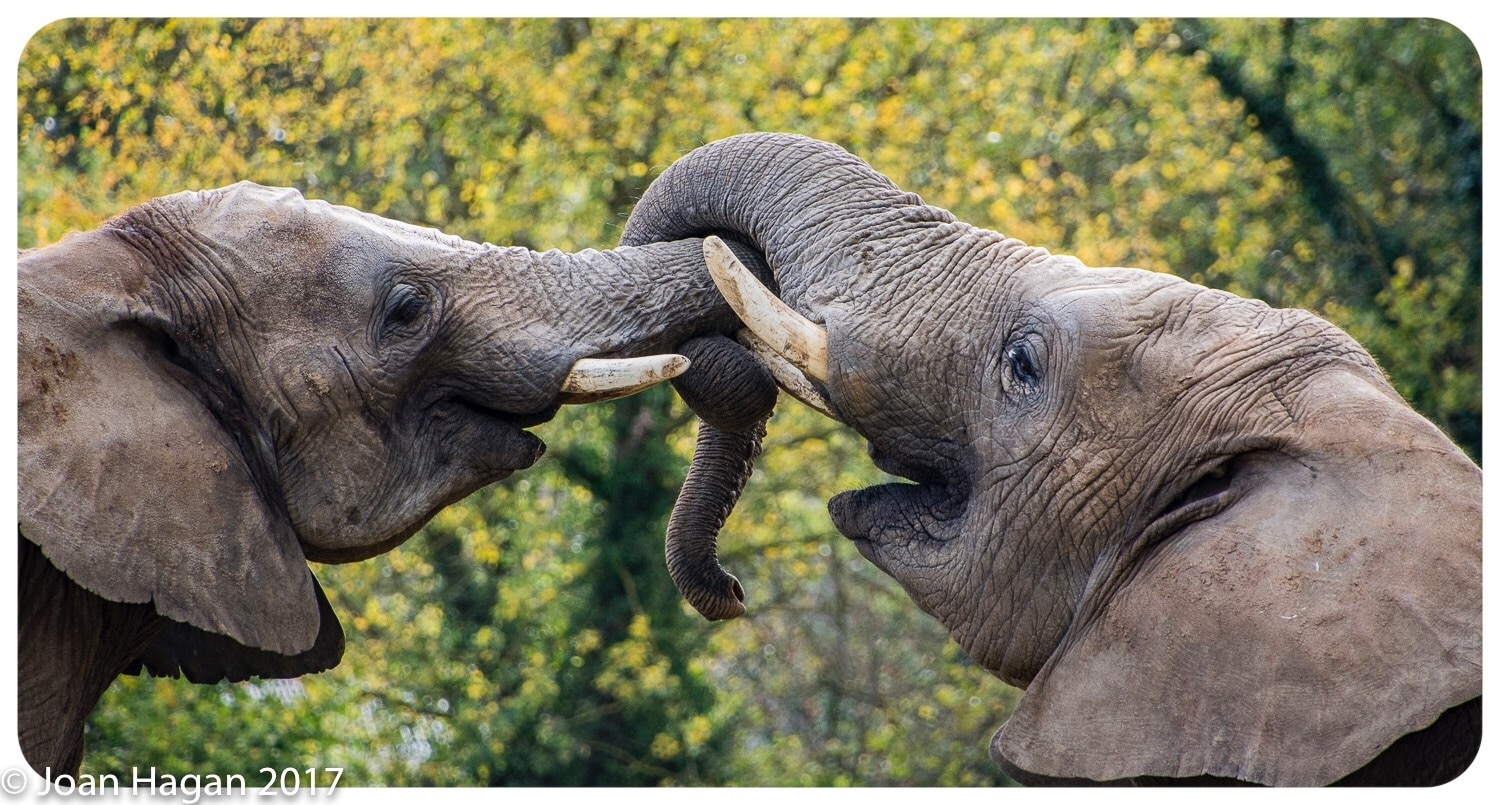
x,y
600,324
643,300
792,209
722,461
631,301
803,204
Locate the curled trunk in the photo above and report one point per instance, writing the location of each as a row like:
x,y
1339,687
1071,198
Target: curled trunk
x,y
803,206
790,208
733,395
722,461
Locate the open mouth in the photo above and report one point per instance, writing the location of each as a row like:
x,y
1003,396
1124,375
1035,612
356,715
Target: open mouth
x,y
922,471
898,518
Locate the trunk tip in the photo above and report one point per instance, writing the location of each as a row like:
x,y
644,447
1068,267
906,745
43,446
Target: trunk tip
x,y
723,604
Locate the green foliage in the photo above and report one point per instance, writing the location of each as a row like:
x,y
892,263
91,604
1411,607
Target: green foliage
x,y
529,634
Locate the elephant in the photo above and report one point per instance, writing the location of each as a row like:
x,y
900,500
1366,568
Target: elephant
x,y
1206,538
216,387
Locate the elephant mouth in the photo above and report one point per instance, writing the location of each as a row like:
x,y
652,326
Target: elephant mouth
x,y
897,522
902,522
517,421
499,438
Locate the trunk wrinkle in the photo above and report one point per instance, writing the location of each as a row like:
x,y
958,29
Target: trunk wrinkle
x,y
721,464
726,386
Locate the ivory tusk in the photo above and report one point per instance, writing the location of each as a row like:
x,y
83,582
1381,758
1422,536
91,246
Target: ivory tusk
x,y
788,377
785,331
600,379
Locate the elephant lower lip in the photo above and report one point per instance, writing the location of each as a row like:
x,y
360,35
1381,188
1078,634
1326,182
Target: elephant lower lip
x,y
878,518
537,448
496,440
864,547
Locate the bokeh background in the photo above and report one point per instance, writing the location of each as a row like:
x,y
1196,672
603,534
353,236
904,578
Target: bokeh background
x,y
530,635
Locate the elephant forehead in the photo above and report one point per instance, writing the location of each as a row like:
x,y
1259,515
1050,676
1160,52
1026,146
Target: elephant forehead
x,y
244,209
248,195
1161,332
1104,303
276,227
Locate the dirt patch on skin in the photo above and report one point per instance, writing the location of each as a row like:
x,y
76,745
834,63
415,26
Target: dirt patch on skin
x,y
317,383
48,370
59,363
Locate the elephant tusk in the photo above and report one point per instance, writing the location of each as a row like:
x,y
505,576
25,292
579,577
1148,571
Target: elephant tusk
x,y
787,332
788,377
599,379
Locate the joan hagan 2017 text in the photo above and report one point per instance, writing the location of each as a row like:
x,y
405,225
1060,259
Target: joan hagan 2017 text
x,y
189,788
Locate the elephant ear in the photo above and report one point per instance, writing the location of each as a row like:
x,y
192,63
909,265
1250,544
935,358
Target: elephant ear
x,y
1288,641
204,657
129,482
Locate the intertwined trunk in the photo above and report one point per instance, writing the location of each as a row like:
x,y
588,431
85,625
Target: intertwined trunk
x,y
795,210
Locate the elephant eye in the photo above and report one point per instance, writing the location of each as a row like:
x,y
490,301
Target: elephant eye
x,y
1021,366
404,306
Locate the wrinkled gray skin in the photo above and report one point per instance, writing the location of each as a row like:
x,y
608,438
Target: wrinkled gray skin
x,y
1205,536
216,387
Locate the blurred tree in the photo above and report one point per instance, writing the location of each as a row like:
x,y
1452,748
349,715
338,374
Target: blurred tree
x,y
1374,140
528,634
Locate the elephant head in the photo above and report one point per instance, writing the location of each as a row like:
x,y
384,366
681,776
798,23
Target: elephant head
x,y
1206,536
216,387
